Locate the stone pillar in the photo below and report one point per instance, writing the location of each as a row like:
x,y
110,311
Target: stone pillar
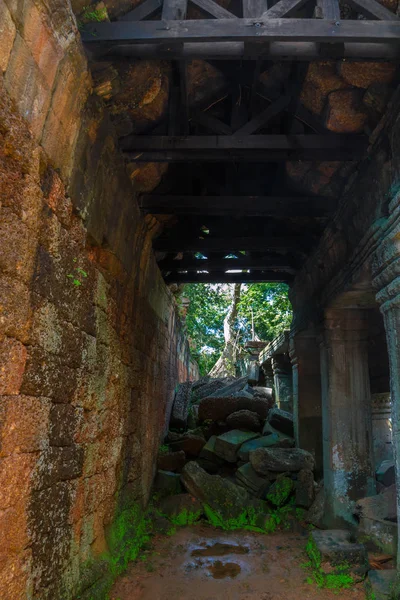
x,y
386,273
307,411
381,428
346,410
283,381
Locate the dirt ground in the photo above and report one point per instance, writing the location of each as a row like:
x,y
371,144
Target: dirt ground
x,y
202,563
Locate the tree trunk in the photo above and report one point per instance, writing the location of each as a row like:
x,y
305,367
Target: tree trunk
x,y
226,364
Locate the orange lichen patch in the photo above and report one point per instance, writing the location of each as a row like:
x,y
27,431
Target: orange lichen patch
x,y
12,366
321,79
146,176
345,112
364,74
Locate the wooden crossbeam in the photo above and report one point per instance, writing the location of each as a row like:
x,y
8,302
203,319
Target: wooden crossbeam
x,y
143,10
174,10
259,147
261,120
330,9
222,277
266,206
246,30
210,122
214,9
230,244
284,8
373,10
254,8
224,264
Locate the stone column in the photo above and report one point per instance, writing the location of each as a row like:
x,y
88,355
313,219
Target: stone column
x,y
386,273
307,412
381,428
346,410
283,381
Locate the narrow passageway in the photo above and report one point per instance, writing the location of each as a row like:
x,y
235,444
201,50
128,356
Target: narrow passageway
x,y
201,563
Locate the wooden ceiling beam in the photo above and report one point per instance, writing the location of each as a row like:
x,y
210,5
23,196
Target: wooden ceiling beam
x,y
249,206
188,263
231,244
222,277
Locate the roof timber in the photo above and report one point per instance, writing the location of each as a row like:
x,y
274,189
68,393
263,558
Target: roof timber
x,y
223,277
231,244
263,263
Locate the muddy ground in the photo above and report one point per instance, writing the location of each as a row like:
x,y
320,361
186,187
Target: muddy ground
x,y
203,563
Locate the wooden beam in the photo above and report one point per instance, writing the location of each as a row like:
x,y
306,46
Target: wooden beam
x,y
143,10
214,9
230,244
284,8
262,119
330,9
222,277
373,10
210,122
173,10
246,30
224,264
254,8
266,206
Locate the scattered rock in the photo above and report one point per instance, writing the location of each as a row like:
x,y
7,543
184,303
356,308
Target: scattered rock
x,y
221,495
209,466
282,421
190,443
219,408
280,491
385,473
381,506
173,461
180,408
208,452
200,382
209,388
181,506
270,441
334,549
193,417
281,460
245,420
167,483
264,392
227,444
256,485
315,514
380,584
305,490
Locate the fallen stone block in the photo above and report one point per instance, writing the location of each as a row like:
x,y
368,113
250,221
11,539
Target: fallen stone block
x,y
180,407
208,452
270,441
380,506
385,473
193,417
266,392
334,554
167,483
281,460
305,489
221,495
201,382
248,478
209,466
190,443
315,514
245,420
219,408
232,388
228,444
282,421
209,388
172,461
381,585
286,441
379,534
280,491
181,509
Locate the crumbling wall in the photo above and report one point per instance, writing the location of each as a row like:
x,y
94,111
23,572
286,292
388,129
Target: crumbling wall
x,y
91,347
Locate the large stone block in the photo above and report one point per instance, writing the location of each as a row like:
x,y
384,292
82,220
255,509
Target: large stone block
x,y
12,366
180,408
7,35
208,451
25,422
245,420
380,585
281,460
336,550
305,492
345,112
364,74
282,421
218,409
254,483
269,441
15,309
228,444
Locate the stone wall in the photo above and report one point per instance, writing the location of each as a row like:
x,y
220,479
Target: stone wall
x,y
91,347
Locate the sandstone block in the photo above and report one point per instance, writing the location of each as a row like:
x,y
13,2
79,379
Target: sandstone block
x,y
228,444
209,466
59,464
180,408
223,496
380,584
167,483
244,420
337,551
280,491
282,421
208,452
345,112
25,422
220,408
382,506
190,443
363,75
181,505
305,493
321,79
173,461
315,514
254,483
209,388
7,35
270,441
12,366
281,460
63,425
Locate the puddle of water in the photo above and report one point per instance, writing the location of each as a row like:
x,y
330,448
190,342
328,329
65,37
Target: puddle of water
x,y
220,570
219,549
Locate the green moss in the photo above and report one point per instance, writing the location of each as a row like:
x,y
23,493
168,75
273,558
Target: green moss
x,y
91,14
280,491
128,534
338,580
185,517
163,449
250,519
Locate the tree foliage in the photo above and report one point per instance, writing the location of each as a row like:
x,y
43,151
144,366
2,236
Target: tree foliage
x,y
267,303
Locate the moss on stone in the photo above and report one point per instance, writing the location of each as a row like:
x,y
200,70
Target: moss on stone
x,y
250,519
185,517
337,580
280,491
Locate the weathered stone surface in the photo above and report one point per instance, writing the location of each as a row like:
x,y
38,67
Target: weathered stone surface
x,y
315,514
173,506
270,441
336,549
209,466
230,389
209,388
381,506
220,408
190,443
322,78
167,483
227,444
173,461
282,421
281,460
379,585
266,392
256,485
200,382
7,35
208,452
386,473
280,491
305,493
193,417
345,113
223,496
245,420
365,74
180,407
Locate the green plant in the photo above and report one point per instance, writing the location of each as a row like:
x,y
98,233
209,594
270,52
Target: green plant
x,y
339,579
163,449
280,491
90,14
250,519
77,276
185,517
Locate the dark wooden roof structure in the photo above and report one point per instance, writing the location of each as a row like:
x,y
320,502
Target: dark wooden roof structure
x,y
236,219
